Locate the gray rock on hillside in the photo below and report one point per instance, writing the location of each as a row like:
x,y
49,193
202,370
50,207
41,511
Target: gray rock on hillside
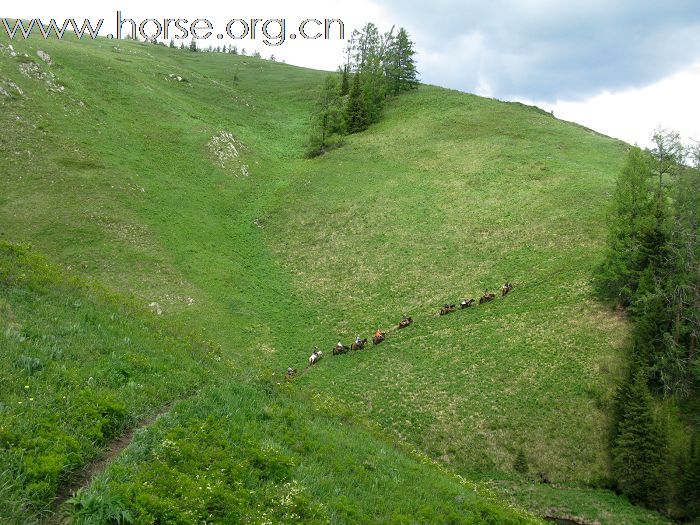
x,y
45,57
9,89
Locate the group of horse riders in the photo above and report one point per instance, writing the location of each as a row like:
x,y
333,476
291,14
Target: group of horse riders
x,y
405,321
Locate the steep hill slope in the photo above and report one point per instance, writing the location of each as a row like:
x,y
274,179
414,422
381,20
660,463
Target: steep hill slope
x,y
79,366
180,177
451,195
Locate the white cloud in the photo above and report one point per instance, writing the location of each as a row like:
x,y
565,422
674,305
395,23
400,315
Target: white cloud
x,y
631,115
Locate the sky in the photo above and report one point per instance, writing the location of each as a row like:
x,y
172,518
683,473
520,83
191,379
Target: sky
x,y
622,68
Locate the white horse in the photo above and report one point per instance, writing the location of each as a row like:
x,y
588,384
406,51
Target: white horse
x,y
315,357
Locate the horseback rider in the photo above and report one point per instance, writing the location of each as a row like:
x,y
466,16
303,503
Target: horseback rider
x,y
358,340
378,334
339,346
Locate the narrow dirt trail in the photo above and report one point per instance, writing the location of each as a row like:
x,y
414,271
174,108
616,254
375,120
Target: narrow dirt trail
x,y
91,470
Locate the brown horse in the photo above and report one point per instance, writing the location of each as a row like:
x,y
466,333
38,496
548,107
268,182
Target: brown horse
x,y
466,303
340,349
487,297
446,309
358,346
378,338
507,287
405,322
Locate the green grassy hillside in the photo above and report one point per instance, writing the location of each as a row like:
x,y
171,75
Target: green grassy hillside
x,y
406,218
78,367
194,196
241,449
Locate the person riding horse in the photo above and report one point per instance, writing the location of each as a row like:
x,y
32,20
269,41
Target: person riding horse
x,y
486,297
447,308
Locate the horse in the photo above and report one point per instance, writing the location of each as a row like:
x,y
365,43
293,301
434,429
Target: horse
x,y
487,297
337,350
507,287
405,322
315,357
378,338
466,303
448,308
358,346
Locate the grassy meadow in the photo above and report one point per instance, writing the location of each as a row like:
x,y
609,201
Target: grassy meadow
x,y
533,370
127,179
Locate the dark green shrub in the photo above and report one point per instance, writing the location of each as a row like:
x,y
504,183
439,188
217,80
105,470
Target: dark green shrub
x,y
520,463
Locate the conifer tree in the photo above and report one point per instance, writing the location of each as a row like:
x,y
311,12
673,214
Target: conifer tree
x,y
668,154
328,119
368,54
345,82
400,65
373,85
630,216
356,112
639,446
690,488
366,44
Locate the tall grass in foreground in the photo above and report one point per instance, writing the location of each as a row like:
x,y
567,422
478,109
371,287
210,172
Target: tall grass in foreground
x,y
77,367
256,451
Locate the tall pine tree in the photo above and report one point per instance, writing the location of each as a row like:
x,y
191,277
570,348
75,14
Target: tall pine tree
x,y
400,66
328,118
356,112
690,488
345,81
684,274
630,217
639,446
